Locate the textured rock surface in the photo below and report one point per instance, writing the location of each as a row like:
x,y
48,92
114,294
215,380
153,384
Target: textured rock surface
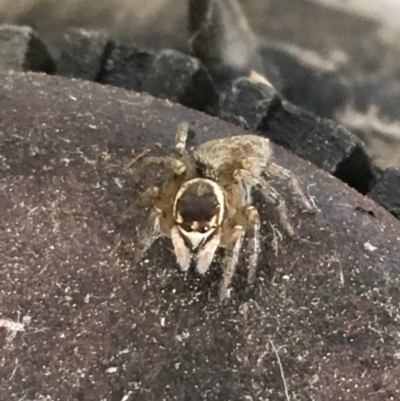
x,y
99,327
22,50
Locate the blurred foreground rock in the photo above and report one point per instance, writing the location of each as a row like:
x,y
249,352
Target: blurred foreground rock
x,y
322,317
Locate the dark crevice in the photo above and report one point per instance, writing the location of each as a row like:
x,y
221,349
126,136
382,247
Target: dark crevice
x,y
356,171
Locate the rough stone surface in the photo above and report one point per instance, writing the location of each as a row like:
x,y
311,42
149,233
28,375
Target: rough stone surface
x,y
127,66
181,78
386,191
323,142
98,327
22,50
83,54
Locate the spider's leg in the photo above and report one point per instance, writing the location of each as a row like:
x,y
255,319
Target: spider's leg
x,y
181,149
272,196
251,218
275,170
145,199
177,166
245,182
231,259
181,138
150,233
253,246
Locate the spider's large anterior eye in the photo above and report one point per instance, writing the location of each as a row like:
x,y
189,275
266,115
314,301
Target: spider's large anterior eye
x,y
203,230
187,228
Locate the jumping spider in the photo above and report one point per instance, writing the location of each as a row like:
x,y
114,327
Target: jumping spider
x,y
206,202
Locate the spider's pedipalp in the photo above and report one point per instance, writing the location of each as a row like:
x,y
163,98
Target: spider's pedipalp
x,y
182,252
145,199
149,234
206,255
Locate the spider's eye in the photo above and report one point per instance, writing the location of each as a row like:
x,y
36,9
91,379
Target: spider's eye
x,y
203,230
187,228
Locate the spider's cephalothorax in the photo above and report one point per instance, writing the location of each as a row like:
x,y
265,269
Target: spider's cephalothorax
x,y
205,203
198,213
198,210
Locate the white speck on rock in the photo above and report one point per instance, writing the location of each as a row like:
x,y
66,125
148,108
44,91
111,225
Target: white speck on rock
x,y
369,247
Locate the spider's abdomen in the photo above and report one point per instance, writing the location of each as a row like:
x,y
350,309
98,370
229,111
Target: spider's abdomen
x,y
221,157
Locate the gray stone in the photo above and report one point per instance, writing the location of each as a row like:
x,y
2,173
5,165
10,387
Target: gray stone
x,y
22,50
83,54
246,103
321,141
181,78
127,66
386,191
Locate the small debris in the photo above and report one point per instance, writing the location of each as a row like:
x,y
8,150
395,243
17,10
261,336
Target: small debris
x,y
369,247
142,154
126,396
10,325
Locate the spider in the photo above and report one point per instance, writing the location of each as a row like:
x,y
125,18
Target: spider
x,y
206,202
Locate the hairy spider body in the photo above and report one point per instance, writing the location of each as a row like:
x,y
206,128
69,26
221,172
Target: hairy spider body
x,y
205,203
